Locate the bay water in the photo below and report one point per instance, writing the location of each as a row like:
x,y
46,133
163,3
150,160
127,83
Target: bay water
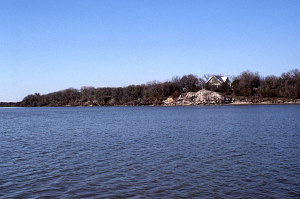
x,y
150,152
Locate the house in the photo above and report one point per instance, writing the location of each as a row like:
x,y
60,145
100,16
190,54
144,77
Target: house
x,y
218,81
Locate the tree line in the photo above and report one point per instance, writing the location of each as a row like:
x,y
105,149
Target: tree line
x,y
252,84
246,84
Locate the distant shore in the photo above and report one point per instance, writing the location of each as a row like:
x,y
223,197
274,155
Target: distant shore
x,y
241,104
235,103
200,98
264,103
245,89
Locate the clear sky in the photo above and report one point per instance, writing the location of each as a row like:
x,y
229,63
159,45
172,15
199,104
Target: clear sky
x,y
50,45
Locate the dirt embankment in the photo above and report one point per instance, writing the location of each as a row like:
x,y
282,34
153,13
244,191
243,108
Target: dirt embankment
x,y
198,98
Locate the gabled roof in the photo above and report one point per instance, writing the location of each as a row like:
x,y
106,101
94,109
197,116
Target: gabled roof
x,y
222,79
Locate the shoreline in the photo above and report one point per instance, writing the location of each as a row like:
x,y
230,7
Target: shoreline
x,y
163,105
236,104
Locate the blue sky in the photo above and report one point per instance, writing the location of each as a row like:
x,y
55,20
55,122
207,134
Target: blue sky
x,y
47,46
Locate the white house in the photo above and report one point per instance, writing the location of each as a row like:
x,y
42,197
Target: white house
x,y
218,81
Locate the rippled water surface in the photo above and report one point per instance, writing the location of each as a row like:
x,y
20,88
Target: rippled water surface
x,y
150,152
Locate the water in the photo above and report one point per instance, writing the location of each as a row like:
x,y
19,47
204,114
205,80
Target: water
x,y
150,152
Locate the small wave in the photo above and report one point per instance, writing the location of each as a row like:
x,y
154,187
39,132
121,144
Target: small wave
x,y
11,107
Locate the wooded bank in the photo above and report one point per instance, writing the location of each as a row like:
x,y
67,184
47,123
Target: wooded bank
x,y
247,85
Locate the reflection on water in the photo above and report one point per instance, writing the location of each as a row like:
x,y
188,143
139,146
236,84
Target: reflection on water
x,y
150,152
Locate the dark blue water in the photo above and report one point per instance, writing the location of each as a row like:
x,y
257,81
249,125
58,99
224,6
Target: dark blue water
x,y
150,152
